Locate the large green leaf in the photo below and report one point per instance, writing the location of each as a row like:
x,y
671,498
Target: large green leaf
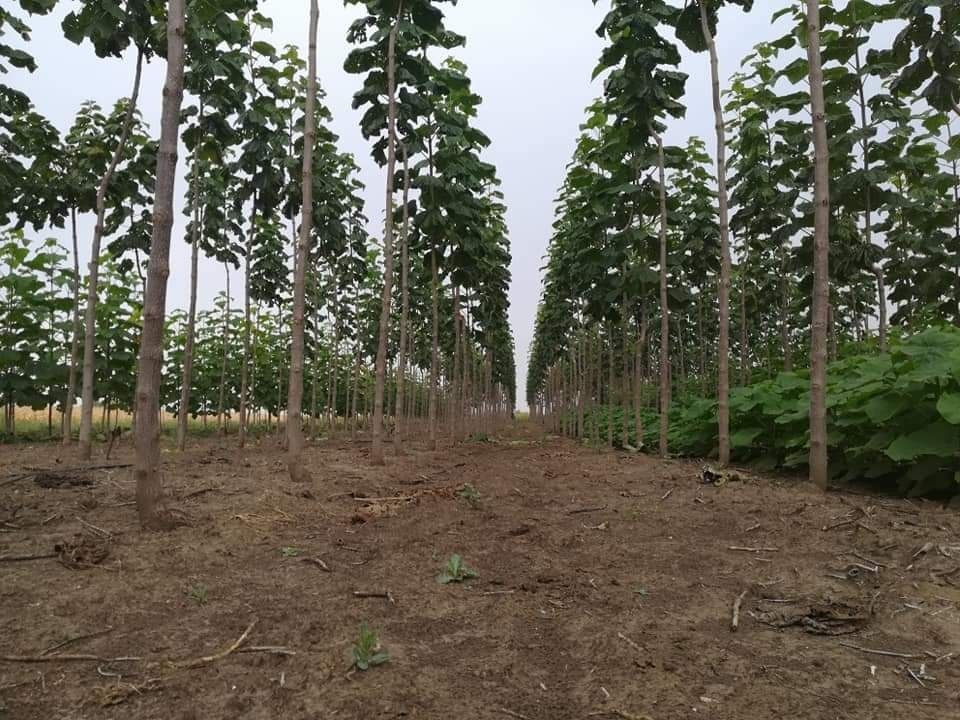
x,y
949,407
937,438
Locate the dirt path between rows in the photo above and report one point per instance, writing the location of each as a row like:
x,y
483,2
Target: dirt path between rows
x,y
607,584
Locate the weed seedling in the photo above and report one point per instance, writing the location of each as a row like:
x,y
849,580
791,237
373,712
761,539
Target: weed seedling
x,y
470,494
198,593
367,652
289,552
456,571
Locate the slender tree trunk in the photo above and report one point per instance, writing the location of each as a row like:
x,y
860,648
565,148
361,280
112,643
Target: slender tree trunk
x,y
821,248
405,302
225,337
723,291
187,378
664,303
147,435
245,365
75,343
434,348
298,472
89,336
376,451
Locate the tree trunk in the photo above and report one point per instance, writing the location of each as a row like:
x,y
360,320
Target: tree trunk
x,y
298,472
664,303
225,339
245,365
89,337
821,267
187,378
434,348
376,450
723,291
405,302
75,343
147,435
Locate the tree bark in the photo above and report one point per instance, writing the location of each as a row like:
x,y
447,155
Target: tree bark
x,y
821,247
89,337
298,472
245,366
405,304
376,450
186,380
75,343
664,303
723,344
434,347
147,434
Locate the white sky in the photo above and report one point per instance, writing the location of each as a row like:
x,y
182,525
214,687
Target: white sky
x,y
531,60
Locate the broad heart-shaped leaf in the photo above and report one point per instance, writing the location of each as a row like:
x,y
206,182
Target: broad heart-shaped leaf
x,y
744,437
949,407
883,407
937,438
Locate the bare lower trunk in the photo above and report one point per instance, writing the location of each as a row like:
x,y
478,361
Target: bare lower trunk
x,y
147,436
225,338
75,342
187,377
821,268
299,473
89,334
664,305
405,304
245,365
723,349
434,348
376,450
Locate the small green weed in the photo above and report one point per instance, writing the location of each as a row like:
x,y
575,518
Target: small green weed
x,y
198,593
456,571
367,652
470,495
289,552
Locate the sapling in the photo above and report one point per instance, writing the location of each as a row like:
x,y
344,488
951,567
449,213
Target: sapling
x,y
367,651
456,571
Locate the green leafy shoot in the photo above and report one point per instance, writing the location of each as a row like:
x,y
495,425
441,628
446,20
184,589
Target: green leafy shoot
x,y
290,552
367,651
456,571
470,495
198,593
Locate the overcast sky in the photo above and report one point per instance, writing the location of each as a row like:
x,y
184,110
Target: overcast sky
x,y
531,60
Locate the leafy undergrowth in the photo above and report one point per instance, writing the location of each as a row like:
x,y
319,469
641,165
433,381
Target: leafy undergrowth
x,y
894,419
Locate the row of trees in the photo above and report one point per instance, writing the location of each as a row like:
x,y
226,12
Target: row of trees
x,y
835,216
269,194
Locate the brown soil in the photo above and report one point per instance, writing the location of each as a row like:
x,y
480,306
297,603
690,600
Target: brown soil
x,y
623,610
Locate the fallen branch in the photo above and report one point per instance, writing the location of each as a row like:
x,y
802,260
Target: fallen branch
x,y
578,511
64,658
667,494
735,619
382,595
26,558
99,530
268,649
620,714
78,638
630,642
318,562
885,653
753,549
394,498
207,659
512,714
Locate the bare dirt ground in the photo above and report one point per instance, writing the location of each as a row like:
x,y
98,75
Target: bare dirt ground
x,y
606,588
